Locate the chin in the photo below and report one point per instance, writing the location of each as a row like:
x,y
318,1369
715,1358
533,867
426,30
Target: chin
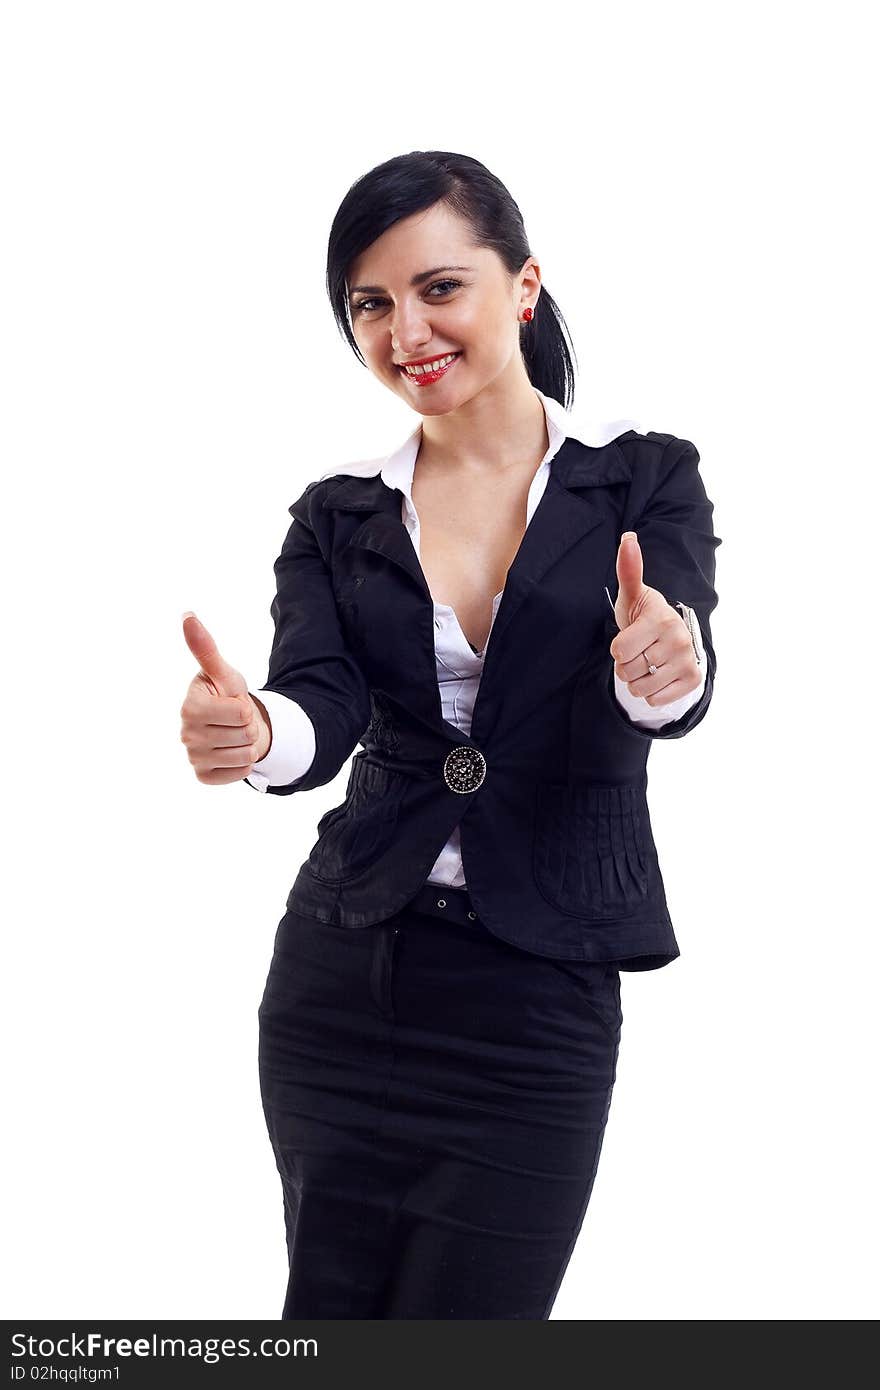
x,y
440,404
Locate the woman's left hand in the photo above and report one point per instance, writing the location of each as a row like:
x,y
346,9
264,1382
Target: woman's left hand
x,y
651,631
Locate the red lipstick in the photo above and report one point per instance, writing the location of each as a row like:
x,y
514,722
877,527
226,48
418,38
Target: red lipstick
x,y
428,378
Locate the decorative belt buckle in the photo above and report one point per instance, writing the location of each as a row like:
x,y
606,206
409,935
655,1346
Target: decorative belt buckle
x,y
464,768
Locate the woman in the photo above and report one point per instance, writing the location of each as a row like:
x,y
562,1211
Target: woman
x,y
440,1026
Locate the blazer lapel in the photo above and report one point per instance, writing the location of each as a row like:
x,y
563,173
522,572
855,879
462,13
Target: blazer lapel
x,y
561,520
382,530
564,516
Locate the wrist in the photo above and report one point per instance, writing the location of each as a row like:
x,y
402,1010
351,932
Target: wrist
x,y
264,739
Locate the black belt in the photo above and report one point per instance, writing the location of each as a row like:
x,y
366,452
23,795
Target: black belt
x,y
452,903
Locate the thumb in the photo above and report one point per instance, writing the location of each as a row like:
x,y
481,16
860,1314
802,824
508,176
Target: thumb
x,y
629,576
225,679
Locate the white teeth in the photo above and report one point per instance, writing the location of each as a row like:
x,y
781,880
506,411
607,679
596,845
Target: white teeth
x,y
431,366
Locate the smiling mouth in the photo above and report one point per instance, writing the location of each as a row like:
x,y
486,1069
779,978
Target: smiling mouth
x,y
430,371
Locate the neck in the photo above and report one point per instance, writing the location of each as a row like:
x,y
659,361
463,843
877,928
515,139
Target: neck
x,y
504,426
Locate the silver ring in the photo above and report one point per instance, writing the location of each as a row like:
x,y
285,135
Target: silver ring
x,y
652,669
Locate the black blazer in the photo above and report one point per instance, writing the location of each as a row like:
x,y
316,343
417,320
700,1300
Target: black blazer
x,y
550,787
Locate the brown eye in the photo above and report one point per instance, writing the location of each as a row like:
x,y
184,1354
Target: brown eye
x,y
445,286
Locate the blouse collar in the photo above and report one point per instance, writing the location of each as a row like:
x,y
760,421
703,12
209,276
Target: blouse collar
x,y
398,468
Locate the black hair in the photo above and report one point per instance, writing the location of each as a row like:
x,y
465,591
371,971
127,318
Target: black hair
x,y
411,183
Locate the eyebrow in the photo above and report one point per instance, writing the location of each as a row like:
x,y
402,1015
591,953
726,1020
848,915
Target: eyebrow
x,y
419,279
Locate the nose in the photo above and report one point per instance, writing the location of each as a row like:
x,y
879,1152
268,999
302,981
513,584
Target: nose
x,y
410,329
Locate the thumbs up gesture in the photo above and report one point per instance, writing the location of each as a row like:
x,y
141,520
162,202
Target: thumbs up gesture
x,y
224,728
652,634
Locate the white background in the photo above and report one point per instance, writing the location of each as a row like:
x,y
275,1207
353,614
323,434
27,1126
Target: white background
x,y
695,182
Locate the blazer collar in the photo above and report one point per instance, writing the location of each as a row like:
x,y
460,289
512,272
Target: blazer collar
x,y
561,520
585,454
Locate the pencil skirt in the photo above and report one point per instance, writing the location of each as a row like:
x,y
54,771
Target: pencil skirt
x,y
436,1100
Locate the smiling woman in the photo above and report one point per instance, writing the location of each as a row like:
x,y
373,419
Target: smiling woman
x,y
452,309
439,1031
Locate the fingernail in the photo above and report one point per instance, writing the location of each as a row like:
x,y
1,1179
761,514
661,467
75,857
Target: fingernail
x,y
189,613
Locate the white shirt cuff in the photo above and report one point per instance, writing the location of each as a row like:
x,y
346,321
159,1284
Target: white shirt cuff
x,y
292,751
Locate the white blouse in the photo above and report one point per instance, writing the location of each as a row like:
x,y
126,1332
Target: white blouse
x,y
459,667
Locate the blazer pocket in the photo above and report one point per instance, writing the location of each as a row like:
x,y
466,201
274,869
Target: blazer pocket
x,y
592,848
350,836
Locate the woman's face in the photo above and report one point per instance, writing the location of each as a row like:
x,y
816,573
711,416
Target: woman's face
x,y
468,306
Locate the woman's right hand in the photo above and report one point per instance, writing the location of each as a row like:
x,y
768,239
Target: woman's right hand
x,y
223,728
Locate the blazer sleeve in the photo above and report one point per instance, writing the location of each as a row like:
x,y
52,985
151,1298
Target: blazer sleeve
x,y
672,515
310,661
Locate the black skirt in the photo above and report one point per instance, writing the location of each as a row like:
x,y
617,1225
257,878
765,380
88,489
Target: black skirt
x,y
436,1100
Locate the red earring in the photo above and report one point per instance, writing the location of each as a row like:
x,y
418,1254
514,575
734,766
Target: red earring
x,y
528,314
